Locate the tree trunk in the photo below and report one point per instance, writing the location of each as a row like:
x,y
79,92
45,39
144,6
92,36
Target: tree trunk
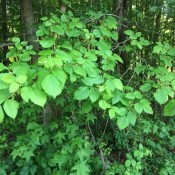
x,y
4,24
120,10
29,22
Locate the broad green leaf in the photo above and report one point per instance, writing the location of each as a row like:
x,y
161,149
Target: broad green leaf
x,y
130,95
79,70
25,170
81,168
37,96
14,86
138,95
97,33
91,56
145,87
161,96
1,114
25,93
148,109
132,117
52,86
81,93
173,84
123,122
16,40
103,104
25,57
33,169
146,106
60,75
118,84
4,94
169,109
64,18
111,22
11,108
104,45
86,107
46,52
40,32
2,67
46,42
129,32
93,95
111,113
138,107
73,33
8,78
157,49
105,31
21,79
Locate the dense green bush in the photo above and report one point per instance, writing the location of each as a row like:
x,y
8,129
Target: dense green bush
x,y
72,112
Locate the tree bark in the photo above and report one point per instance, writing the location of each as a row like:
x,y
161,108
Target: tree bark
x,y
120,10
4,24
28,21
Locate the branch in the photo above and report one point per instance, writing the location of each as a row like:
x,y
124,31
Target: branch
x,y
6,45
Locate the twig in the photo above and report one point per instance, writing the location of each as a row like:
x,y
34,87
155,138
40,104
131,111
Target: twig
x,y
121,43
104,131
101,152
6,45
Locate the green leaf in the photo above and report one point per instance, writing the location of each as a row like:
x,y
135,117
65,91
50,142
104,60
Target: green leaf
x,y
1,114
73,33
146,106
105,31
33,169
25,93
82,93
93,95
47,42
79,70
169,109
21,79
104,45
173,84
37,96
157,49
8,78
132,117
2,67
81,168
97,33
16,40
11,108
25,170
122,122
145,87
52,86
161,96
4,94
129,32
111,113
46,52
86,107
60,75
64,18
148,109
25,57
14,86
118,84
138,107
103,104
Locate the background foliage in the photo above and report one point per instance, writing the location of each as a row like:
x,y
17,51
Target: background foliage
x,y
87,87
